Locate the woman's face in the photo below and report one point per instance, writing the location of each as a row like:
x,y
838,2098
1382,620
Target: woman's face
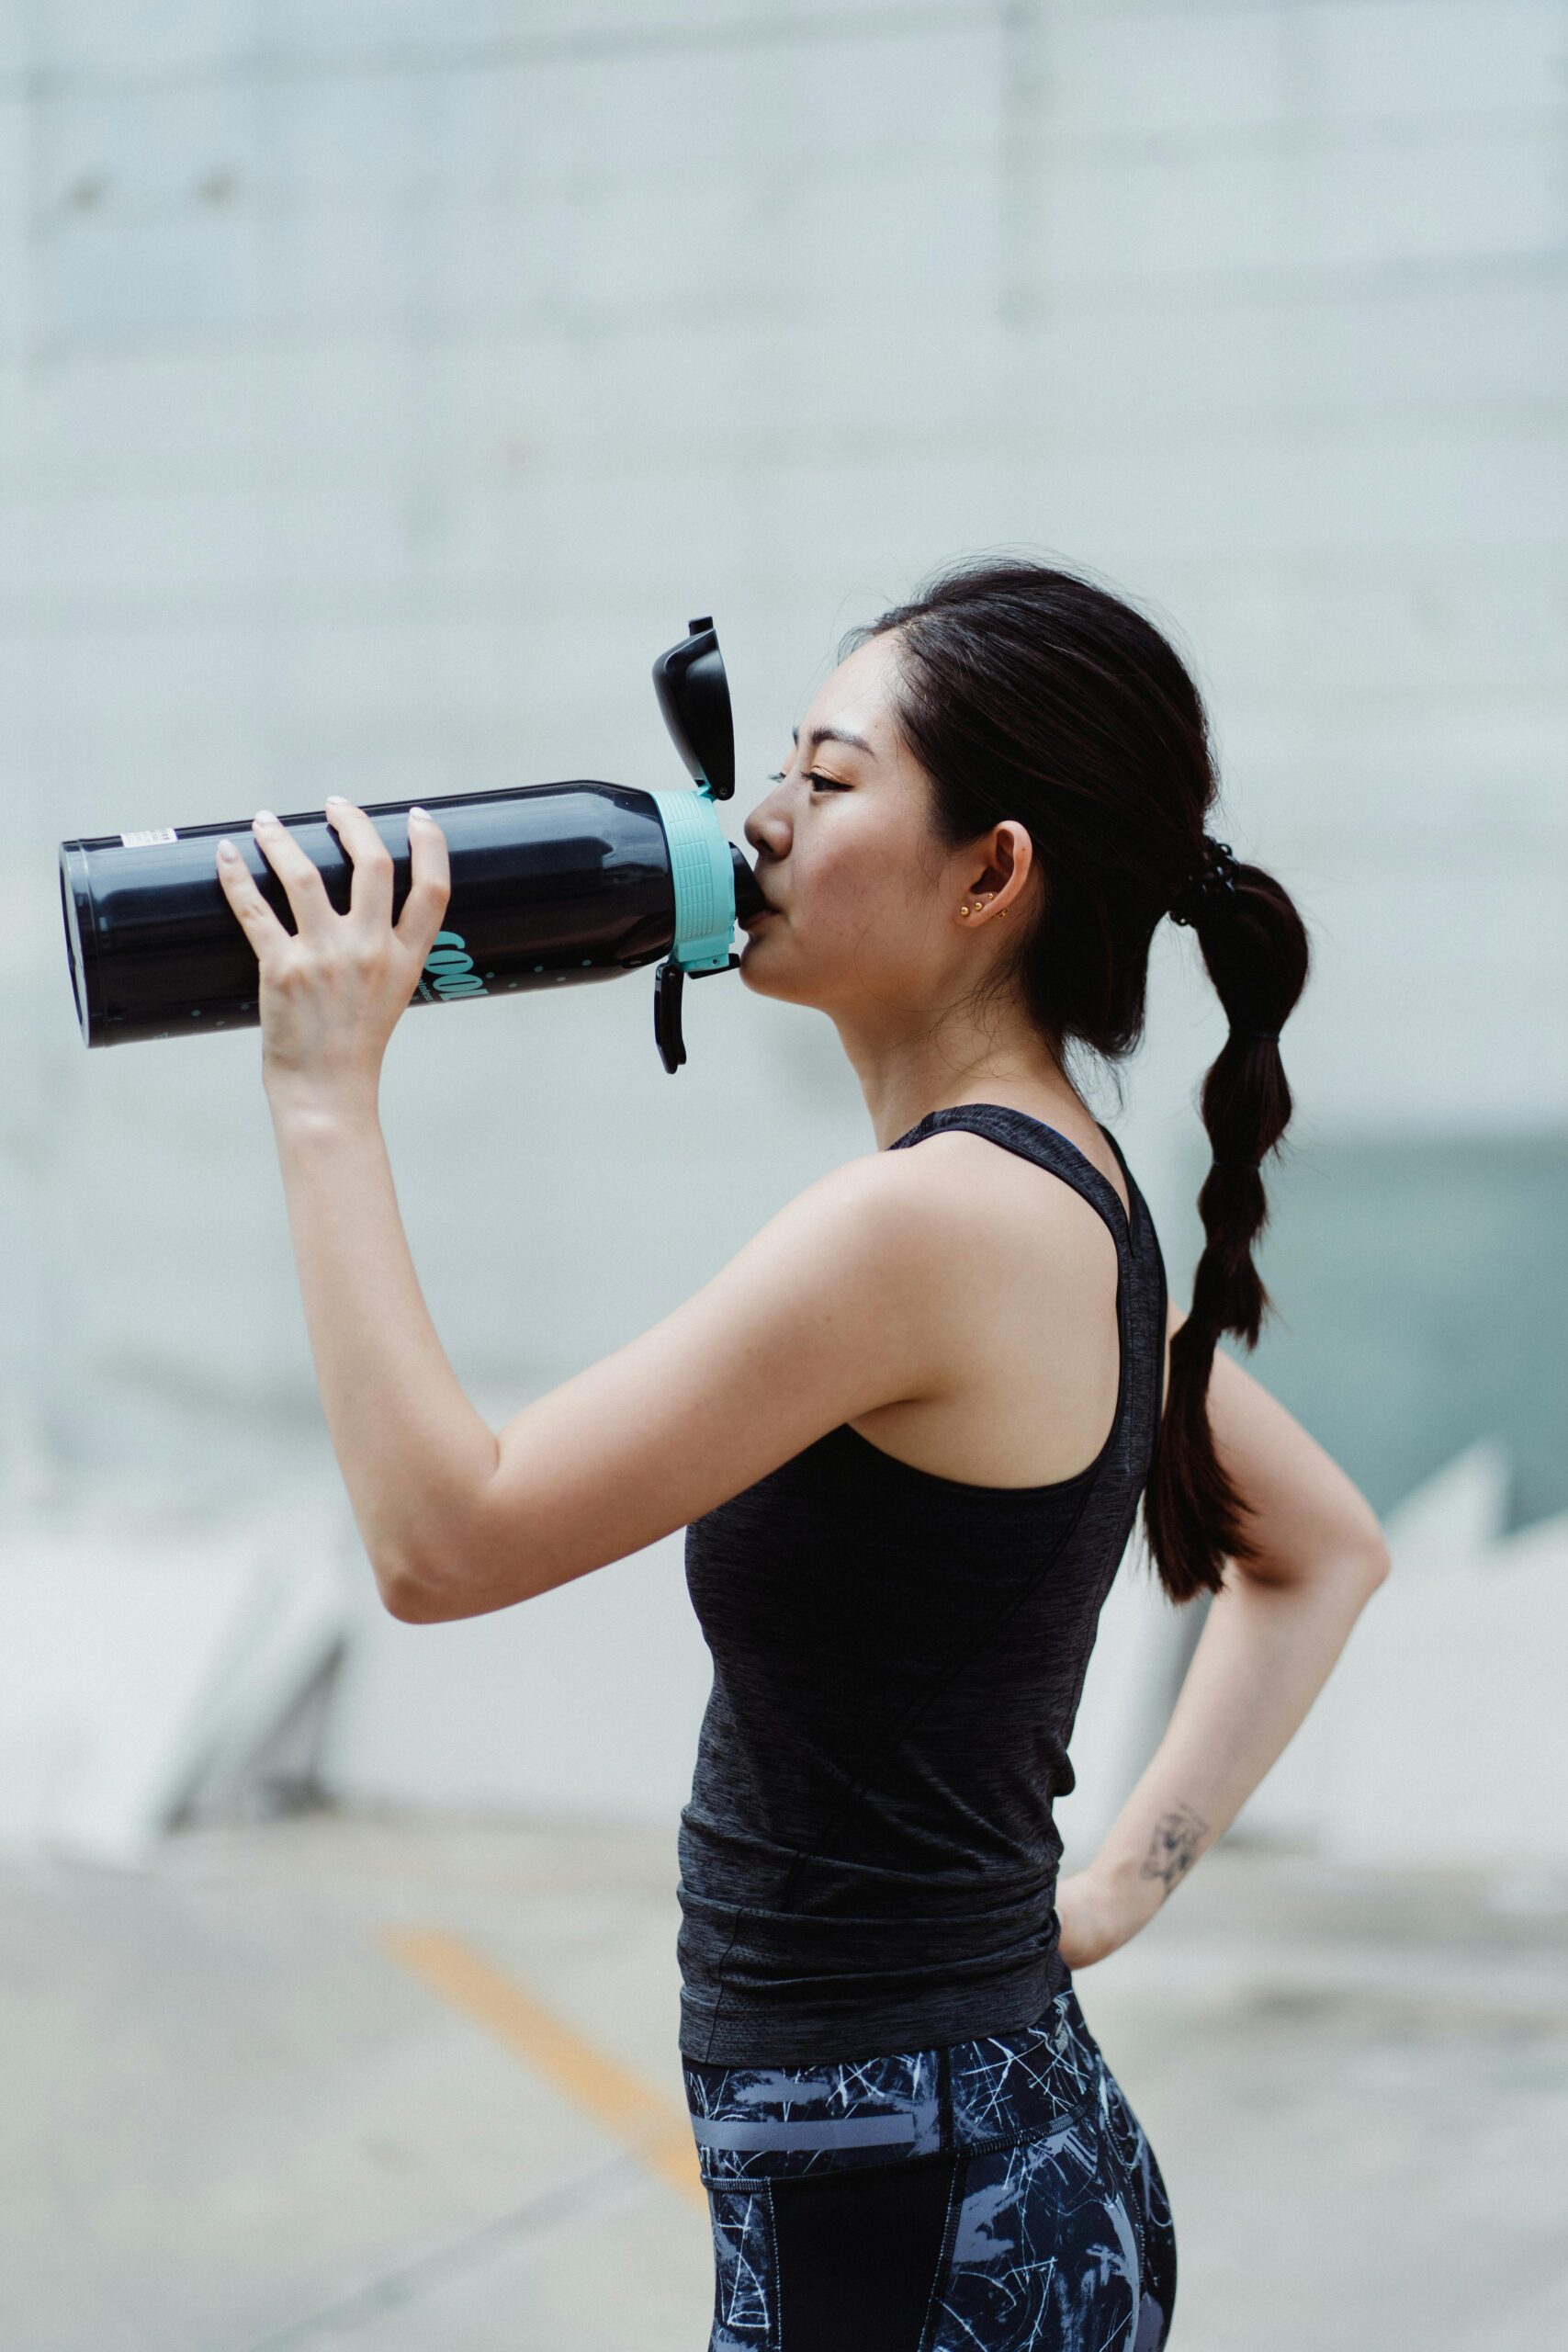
x,y
866,900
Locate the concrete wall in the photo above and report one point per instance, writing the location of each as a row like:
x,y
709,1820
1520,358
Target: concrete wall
x,y
381,386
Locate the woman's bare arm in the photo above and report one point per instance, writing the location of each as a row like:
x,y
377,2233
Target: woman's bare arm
x,y
1269,1644
822,1315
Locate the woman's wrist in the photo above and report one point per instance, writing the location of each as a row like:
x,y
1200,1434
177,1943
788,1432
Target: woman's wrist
x,y
1103,1906
305,1112
1135,1892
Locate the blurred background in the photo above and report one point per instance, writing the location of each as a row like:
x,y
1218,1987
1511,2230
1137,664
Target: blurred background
x,y
384,383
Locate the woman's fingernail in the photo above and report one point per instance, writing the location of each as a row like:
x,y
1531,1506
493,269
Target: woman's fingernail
x,y
335,800
419,812
264,817
226,849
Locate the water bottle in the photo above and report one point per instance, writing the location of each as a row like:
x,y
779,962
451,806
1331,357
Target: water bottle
x,y
552,885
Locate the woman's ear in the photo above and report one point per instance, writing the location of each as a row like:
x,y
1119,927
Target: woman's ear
x,y
1004,875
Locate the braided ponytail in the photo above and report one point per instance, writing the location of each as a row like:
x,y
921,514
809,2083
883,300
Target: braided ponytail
x,y
1255,946
1030,692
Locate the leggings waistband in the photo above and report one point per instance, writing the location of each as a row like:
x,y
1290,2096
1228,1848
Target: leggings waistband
x,y
993,2091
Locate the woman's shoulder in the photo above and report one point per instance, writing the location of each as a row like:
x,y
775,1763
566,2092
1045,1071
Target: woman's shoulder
x,y
1012,1280
963,1183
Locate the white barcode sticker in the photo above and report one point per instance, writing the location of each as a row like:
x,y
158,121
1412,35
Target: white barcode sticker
x,y
145,841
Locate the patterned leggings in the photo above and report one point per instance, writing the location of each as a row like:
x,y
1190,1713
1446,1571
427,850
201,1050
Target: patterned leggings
x,y
982,2196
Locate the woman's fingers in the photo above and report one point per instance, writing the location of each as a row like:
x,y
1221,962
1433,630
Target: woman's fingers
x,y
256,918
306,891
430,885
370,896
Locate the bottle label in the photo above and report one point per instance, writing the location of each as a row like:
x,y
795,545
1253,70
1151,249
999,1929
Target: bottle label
x,y
144,840
449,970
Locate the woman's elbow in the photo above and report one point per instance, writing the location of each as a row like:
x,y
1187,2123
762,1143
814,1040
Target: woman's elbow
x,y
1379,1559
407,1598
1353,1555
417,1590
440,1589
1360,1554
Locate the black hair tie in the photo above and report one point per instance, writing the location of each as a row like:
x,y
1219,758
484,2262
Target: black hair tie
x,y
1266,1036
1208,882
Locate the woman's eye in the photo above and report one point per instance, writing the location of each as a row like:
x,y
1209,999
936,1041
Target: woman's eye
x,y
826,782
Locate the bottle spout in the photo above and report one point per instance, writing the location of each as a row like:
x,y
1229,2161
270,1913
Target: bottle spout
x,y
747,889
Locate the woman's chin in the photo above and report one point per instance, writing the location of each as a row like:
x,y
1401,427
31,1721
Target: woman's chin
x,y
754,966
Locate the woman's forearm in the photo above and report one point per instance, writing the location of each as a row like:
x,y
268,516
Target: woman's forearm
x,y
1266,1650
413,1450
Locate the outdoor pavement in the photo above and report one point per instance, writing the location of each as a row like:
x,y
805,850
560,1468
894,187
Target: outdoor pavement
x,y
412,2084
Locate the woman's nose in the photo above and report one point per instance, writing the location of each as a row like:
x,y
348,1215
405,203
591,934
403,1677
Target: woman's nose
x,y
765,831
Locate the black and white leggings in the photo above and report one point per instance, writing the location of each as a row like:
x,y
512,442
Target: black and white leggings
x,y
984,2196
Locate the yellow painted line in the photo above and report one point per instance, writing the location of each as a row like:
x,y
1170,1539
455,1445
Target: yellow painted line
x,y
657,2133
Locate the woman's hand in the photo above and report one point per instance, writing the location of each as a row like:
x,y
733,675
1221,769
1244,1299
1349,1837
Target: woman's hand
x,y
332,992
1100,1910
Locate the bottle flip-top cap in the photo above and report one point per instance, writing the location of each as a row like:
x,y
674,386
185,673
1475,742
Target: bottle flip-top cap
x,y
693,695
712,883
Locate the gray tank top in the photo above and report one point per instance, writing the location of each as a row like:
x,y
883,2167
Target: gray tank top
x,y
868,1860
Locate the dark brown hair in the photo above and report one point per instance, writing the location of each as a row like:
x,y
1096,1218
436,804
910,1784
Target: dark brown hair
x,y
1030,693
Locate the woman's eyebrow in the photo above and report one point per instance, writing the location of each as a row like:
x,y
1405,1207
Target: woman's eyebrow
x,y
837,735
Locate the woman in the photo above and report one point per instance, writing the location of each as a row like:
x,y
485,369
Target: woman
x,y
907,1429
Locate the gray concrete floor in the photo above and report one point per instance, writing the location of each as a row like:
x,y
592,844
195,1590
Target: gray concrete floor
x,y
234,2119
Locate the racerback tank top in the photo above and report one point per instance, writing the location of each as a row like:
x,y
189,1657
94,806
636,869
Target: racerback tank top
x,y
868,1859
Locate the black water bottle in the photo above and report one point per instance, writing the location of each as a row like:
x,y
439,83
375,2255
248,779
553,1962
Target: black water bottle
x,y
552,884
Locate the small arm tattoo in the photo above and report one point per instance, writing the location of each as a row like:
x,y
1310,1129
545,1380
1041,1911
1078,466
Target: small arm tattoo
x,y
1175,1846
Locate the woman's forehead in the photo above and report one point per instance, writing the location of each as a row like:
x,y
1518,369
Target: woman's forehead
x,y
853,707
